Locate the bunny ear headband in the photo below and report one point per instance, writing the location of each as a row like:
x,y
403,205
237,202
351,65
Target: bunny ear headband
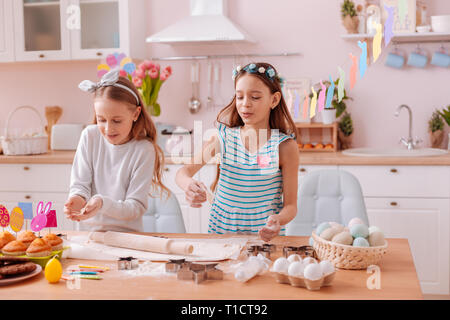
x,y
108,79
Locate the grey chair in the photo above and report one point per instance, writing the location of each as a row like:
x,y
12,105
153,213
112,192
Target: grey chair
x,y
325,196
164,215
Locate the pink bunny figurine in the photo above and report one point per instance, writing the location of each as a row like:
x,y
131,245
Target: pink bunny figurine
x,y
40,220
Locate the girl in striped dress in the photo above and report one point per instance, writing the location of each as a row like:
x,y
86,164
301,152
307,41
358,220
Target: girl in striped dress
x,y
256,183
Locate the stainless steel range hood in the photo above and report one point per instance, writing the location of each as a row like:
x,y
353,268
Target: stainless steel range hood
x,y
206,24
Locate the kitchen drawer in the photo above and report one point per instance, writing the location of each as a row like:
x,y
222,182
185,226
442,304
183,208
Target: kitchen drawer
x,y
35,177
303,170
402,181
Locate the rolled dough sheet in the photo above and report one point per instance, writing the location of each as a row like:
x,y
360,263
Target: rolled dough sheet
x,y
204,250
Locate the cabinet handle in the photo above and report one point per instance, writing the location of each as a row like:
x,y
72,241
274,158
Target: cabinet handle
x,y
393,204
166,169
302,170
394,170
27,197
99,54
42,55
26,168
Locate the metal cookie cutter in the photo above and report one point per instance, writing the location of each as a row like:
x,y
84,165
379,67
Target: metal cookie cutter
x,y
199,272
127,263
174,265
303,251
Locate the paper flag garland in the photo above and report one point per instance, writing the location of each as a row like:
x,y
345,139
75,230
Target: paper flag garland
x,y
16,219
402,10
27,209
388,33
353,70
305,105
362,58
341,84
376,46
330,94
116,61
296,105
4,217
322,96
312,110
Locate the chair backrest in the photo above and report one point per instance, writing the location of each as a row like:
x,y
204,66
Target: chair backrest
x,y
163,215
325,196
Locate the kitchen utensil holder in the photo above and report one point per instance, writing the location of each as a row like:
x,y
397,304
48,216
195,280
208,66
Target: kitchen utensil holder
x,y
24,145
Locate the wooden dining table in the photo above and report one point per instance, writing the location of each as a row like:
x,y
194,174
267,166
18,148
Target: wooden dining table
x,y
395,278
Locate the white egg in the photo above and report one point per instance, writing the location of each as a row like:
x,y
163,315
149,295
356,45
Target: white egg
x,y
354,221
309,260
281,265
294,257
327,267
296,269
321,227
313,271
337,226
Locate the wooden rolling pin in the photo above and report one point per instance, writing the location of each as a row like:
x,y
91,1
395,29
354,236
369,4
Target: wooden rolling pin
x,y
140,242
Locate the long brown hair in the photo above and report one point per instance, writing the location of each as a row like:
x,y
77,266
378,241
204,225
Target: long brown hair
x,y
143,128
280,118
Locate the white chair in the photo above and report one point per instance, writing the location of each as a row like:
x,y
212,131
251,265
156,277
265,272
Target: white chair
x,y
163,215
324,196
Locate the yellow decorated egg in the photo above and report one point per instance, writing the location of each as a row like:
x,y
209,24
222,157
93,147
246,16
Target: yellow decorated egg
x,y
16,219
53,270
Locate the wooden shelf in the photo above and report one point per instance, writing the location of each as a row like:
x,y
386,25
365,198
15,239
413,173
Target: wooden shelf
x,y
315,133
405,38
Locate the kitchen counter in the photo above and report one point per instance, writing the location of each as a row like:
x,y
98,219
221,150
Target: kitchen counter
x,y
306,158
398,280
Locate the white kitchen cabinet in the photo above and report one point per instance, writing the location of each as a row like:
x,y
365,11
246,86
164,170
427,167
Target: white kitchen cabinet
x,y
40,30
6,31
78,29
412,202
425,223
34,183
107,27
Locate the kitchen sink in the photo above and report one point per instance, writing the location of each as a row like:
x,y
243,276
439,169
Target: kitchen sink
x,y
394,152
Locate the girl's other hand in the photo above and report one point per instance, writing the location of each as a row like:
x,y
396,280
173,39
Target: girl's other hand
x,y
91,209
196,194
270,230
73,206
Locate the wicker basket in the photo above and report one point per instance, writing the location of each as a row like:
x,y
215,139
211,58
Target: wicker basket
x,y
348,257
24,145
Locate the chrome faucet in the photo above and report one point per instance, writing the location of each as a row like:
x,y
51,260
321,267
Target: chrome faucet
x,y
408,142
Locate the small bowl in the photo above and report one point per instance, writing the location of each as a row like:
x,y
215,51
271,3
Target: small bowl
x,y
423,29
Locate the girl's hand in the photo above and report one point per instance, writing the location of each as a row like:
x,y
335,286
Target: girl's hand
x,y
73,207
91,209
196,194
271,229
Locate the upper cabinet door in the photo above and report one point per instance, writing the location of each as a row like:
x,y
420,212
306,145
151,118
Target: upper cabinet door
x,y
41,31
102,28
6,31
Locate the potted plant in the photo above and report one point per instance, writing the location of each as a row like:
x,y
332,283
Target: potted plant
x,y
345,131
349,17
445,114
436,129
337,108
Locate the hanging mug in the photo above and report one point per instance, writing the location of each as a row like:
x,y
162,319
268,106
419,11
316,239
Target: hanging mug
x,y
417,58
395,59
441,59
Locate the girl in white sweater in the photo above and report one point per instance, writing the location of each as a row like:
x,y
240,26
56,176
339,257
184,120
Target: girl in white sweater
x,y
117,161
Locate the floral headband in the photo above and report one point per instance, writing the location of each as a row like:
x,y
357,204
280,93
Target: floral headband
x,y
252,68
108,79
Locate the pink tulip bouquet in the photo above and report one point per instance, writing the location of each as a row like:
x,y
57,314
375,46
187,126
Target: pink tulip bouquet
x,y
148,79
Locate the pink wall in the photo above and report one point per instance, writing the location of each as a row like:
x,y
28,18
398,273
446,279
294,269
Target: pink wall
x,y
310,27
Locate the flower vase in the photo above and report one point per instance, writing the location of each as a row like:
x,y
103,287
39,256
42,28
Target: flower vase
x,y
436,138
351,23
328,116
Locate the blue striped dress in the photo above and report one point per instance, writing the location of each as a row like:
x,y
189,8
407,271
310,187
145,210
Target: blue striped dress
x,y
250,186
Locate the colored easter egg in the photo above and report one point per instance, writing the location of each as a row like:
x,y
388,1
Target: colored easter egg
x,y
329,233
125,61
359,230
343,238
53,270
101,73
129,68
322,227
376,239
16,219
103,67
354,221
4,217
111,60
360,242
